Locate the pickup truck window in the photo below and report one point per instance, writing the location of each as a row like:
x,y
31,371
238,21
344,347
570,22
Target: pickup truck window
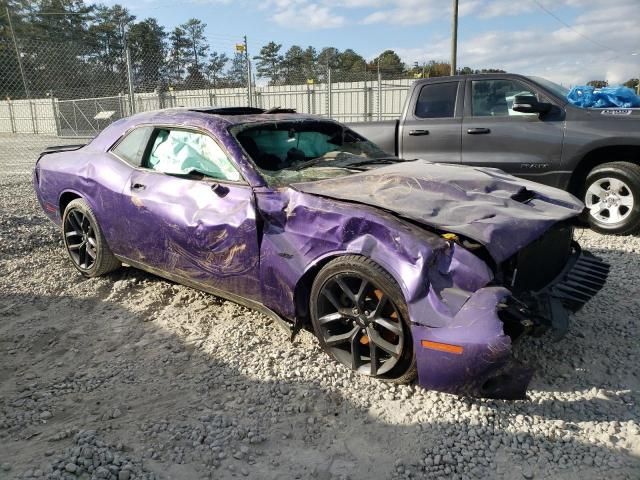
x,y
556,89
494,98
437,100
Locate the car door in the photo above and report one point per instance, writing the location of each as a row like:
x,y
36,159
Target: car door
x,y
117,166
493,135
189,213
431,127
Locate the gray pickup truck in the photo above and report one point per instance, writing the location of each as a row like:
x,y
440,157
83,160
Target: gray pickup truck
x,y
524,126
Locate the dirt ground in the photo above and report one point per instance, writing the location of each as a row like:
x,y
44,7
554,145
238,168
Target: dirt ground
x,y
131,376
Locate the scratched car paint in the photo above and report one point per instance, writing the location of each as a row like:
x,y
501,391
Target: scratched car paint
x,y
461,243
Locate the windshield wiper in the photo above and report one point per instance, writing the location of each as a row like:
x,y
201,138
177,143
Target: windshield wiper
x,y
377,161
347,163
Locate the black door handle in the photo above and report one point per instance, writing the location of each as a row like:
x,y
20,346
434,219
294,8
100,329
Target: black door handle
x,y
478,131
418,133
219,190
138,186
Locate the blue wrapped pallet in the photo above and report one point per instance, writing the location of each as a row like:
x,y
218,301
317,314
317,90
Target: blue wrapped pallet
x,y
585,96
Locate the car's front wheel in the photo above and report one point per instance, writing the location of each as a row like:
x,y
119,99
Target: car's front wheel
x,y
84,241
361,320
612,195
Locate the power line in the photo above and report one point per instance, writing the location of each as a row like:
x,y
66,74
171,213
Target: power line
x,y
37,14
549,12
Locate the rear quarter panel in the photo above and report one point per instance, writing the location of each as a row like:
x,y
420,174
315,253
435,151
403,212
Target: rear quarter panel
x,y
99,178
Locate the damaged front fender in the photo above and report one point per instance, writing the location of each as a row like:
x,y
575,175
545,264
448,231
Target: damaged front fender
x,y
472,355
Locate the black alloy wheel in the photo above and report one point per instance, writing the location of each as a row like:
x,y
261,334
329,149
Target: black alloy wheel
x,y
84,241
359,316
80,239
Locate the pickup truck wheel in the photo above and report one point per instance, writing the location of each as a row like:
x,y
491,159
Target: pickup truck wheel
x,y
612,195
361,320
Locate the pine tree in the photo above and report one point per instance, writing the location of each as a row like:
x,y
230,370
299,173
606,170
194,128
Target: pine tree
x,y
269,62
216,66
237,74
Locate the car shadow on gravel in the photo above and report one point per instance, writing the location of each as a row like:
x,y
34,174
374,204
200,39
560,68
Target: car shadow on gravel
x,y
156,400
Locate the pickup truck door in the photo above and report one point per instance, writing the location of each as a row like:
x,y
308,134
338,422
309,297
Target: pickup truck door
x,y
432,122
493,135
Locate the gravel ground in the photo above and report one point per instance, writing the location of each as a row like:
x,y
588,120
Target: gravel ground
x,y
133,377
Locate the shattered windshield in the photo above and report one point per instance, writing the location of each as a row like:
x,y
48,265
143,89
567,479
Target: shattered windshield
x,y
293,151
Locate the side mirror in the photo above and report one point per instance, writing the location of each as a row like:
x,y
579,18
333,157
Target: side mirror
x,y
529,104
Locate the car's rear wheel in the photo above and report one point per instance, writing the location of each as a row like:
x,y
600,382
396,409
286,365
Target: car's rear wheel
x,y
84,241
361,320
612,195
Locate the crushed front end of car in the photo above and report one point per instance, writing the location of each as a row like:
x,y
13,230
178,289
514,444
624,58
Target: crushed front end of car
x,y
511,267
531,293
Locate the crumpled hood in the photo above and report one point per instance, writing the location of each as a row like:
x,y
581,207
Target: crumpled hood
x,y
502,212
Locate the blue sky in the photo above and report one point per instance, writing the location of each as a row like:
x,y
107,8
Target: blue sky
x,y
517,35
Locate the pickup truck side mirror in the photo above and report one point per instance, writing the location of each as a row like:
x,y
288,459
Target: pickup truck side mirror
x,y
529,104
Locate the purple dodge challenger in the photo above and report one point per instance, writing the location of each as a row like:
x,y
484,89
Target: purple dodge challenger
x,y
400,267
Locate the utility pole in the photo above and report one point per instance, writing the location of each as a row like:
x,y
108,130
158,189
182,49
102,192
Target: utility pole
x,y
15,44
249,82
454,36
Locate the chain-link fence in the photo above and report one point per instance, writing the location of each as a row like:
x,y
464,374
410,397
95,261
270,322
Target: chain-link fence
x,y
66,89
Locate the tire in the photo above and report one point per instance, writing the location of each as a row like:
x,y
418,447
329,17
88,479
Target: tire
x,y
612,194
370,322
84,241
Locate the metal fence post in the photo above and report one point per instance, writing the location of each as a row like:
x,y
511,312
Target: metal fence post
x,y
75,117
34,117
379,95
254,90
132,98
313,100
369,97
366,99
121,102
308,97
56,116
11,116
329,94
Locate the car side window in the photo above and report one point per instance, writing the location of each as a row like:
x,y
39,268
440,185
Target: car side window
x,y
437,100
185,152
131,148
494,98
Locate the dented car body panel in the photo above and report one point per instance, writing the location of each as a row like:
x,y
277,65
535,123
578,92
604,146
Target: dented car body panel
x,y
496,209
261,244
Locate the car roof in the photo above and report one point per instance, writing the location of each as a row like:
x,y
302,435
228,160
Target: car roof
x,y
221,117
218,121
